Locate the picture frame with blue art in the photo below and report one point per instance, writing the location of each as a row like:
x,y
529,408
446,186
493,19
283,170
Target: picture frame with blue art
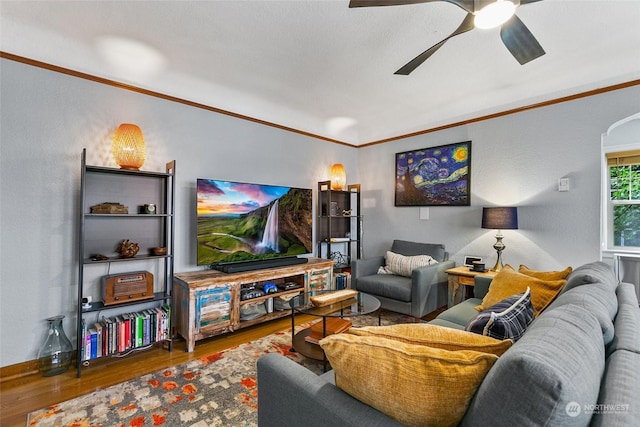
x,y
434,176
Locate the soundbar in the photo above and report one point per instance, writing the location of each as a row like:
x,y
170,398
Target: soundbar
x,y
236,267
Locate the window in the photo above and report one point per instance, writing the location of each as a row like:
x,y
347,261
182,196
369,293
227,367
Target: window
x,y
624,198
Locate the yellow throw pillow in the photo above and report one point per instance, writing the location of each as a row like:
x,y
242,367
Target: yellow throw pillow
x,y
414,384
545,275
436,336
509,282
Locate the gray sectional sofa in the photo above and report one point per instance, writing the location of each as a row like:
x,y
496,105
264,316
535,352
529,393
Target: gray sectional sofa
x,y
577,364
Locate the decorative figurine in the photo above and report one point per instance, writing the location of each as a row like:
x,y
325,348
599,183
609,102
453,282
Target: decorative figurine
x,y
128,249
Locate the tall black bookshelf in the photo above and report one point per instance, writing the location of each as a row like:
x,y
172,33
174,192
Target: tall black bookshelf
x,y
339,224
149,221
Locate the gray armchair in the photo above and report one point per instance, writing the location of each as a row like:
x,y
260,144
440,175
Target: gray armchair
x,y
418,295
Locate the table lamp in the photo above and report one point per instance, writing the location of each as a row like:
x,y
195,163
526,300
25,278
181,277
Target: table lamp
x,y
338,177
128,147
499,218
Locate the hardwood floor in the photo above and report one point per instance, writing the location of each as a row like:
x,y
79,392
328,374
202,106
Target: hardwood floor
x,y
20,396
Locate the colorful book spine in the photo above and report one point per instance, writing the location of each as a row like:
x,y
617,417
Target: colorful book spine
x,y
93,343
83,341
98,342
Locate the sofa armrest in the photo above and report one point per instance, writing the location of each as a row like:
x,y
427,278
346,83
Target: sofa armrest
x,y
289,394
481,286
424,279
366,267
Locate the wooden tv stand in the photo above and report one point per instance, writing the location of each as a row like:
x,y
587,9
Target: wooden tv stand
x,y
207,303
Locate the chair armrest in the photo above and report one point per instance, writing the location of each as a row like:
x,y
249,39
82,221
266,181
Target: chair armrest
x,y
366,267
424,279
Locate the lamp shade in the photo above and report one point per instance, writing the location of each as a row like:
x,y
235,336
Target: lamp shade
x,y
338,177
128,147
500,218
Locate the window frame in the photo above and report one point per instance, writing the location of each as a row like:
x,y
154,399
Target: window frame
x,y
616,158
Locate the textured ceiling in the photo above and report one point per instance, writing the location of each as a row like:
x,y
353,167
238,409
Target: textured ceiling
x,y
323,68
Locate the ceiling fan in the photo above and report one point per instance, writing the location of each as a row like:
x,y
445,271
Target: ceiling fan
x,y
514,34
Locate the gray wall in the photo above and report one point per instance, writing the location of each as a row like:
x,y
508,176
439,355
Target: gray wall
x,y
47,118
516,161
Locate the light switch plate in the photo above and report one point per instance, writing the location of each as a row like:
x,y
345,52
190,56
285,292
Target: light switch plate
x,y
424,213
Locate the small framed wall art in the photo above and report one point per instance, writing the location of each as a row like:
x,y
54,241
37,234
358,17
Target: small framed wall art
x,y
434,176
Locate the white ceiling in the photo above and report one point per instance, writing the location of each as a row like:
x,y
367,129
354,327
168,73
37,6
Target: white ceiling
x,y
323,68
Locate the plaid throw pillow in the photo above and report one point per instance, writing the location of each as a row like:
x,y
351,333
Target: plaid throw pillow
x,y
507,319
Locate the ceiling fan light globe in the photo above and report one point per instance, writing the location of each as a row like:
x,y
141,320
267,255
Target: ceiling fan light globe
x,y
494,14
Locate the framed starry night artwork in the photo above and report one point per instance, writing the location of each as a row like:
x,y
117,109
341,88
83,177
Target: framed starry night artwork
x,y
434,176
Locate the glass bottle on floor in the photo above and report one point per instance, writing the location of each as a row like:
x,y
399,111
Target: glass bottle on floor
x,y
56,352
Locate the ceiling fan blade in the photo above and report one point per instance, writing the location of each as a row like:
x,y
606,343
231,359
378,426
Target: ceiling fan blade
x,y
372,3
520,41
464,4
466,25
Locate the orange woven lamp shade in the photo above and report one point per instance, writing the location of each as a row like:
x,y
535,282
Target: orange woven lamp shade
x,y
338,177
128,147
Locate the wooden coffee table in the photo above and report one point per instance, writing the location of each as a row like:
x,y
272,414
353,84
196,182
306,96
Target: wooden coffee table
x,y
358,305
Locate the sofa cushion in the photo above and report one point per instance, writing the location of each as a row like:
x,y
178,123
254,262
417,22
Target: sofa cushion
x,y
414,384
598,300
404,265
407,248
446,324
461,313
507,319
594,272
509,282
545,275
618,399
388,285
560,360
435,336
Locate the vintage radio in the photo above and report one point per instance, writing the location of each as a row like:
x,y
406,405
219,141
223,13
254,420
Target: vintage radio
x,y
126,287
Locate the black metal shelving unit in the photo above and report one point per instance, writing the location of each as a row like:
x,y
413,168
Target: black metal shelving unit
x,y
339,226
101,233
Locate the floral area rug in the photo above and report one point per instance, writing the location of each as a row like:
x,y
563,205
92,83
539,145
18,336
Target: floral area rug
x,y
216,390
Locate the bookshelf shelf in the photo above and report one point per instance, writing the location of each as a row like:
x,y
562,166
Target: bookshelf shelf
x,y
99,305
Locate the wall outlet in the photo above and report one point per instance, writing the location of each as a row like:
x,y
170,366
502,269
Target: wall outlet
x,y
563,184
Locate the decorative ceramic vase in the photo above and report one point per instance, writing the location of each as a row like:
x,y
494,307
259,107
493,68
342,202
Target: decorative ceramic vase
x,y
56,352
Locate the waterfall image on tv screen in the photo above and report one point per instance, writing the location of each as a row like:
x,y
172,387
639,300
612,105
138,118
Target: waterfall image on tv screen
x,y
240,221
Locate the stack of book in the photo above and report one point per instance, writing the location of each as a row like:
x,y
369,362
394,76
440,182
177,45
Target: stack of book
x,y
341,280
109,208
334,325
125,332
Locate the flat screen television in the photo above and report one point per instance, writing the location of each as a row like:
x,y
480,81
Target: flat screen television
x,y
240,221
